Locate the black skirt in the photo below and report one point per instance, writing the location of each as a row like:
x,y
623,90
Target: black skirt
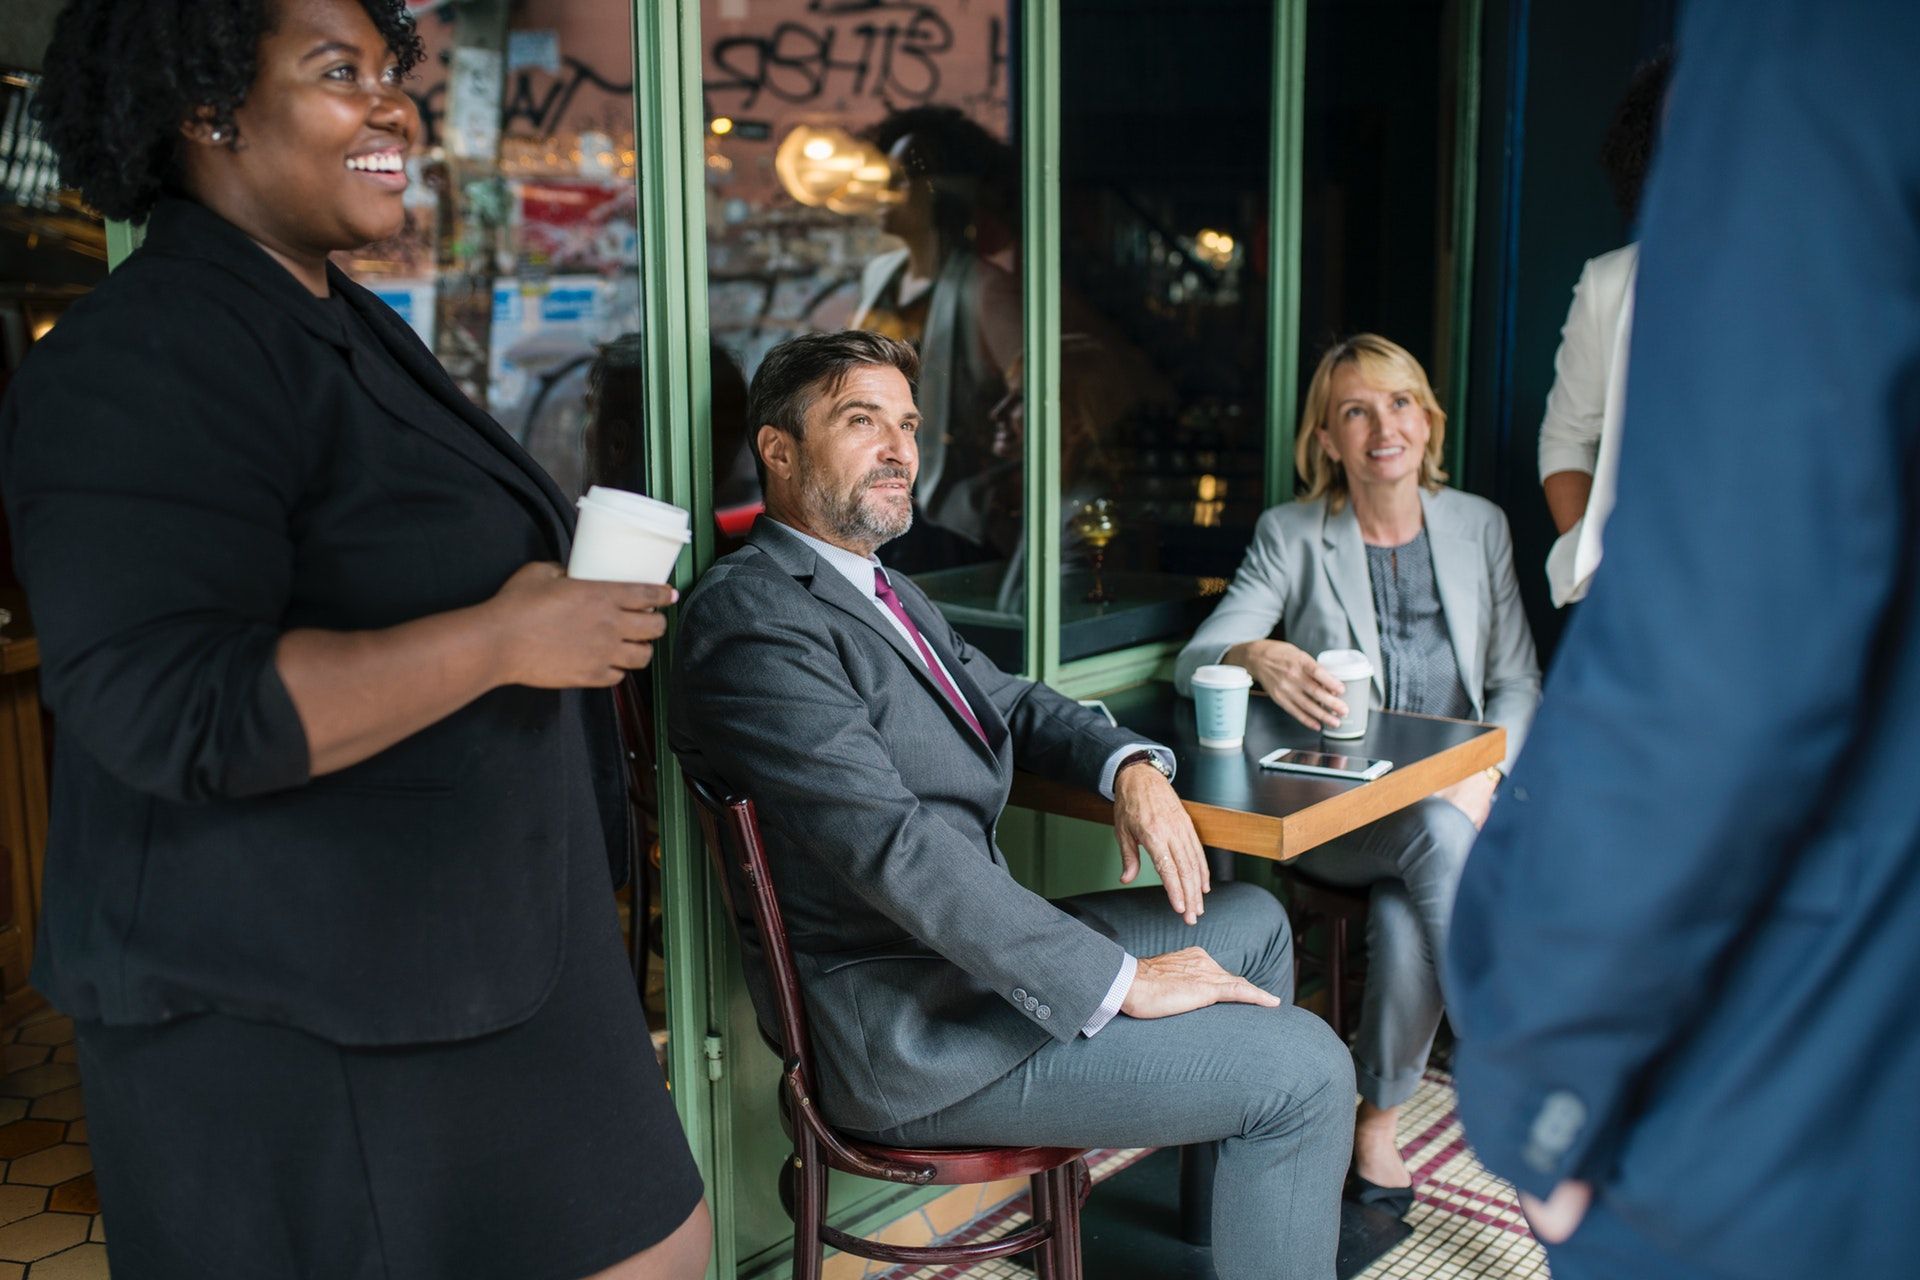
x,y
547,1151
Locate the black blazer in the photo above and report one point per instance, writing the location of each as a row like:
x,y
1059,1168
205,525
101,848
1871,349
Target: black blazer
x,y
195,461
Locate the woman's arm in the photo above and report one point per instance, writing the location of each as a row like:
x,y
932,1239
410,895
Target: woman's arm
x,y
359,692
1252,608
1576,407
1567,493
1512,669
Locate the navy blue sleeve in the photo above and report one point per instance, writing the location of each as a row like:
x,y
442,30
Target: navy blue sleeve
x,y
1715,677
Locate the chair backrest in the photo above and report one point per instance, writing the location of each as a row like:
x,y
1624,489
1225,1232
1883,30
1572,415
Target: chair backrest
x,y
740,863
732,831
643,809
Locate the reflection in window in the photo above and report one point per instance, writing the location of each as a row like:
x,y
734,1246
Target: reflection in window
x,y
1165,122
1376,233
862,173
519,263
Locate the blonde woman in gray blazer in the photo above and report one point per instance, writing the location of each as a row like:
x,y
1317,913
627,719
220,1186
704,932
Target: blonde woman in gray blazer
x,y
1378,556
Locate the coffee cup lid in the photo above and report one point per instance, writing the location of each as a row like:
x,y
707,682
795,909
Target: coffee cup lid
x,y
1223,676
1345,664
663,517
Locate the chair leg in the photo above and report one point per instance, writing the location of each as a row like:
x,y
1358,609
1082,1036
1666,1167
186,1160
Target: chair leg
x,y
809,1209
1045,1209
1337,975
1066,1219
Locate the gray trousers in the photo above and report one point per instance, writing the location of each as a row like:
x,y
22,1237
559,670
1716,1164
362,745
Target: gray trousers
x,y
1413,860
1272,1087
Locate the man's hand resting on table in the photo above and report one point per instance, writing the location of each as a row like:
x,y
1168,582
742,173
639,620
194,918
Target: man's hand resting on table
x,y
1184,980
1147,813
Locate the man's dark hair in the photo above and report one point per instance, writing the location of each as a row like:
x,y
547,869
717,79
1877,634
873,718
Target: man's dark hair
x,y
808,367
1627,152
122,76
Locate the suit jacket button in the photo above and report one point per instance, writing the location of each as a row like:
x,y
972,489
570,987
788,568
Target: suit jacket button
x,y
1019,995
1043,1013
1556,1128
1032,1004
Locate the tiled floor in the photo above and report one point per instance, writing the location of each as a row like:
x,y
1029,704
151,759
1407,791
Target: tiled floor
x,y
1465,1223
49,1212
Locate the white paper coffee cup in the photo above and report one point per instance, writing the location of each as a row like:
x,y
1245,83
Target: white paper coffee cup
x,y
1352,669
626,537
1220,705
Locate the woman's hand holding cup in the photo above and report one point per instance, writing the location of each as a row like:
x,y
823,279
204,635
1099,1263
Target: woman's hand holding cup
x,y
1298,685
556,632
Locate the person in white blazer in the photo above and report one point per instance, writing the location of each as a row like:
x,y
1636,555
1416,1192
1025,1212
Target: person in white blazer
x,y
1379,556
1580,432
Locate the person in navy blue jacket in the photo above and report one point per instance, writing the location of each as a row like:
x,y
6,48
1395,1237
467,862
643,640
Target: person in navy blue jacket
x,y
1685,951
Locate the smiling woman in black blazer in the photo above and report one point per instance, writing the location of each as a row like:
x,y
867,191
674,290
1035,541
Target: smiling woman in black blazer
x,y
327,884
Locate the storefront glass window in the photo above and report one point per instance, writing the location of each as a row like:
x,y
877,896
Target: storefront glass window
x,y
863,171
1165,128
1377,244
519,264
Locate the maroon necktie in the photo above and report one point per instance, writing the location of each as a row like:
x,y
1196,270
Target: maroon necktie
x,y
892,601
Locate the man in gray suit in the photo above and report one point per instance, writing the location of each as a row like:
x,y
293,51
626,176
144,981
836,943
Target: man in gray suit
x,y
951,1006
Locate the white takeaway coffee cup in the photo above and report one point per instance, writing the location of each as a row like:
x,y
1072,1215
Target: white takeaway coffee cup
x,y
1220,705
1352,669
626,537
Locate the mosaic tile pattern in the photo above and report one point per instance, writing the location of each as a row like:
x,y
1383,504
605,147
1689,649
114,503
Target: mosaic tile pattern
x,y
49,1210
1466,1222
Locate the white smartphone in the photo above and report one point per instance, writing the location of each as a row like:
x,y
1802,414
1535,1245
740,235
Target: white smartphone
x,y
1324,763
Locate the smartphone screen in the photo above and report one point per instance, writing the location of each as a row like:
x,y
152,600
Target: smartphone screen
x,y
1325,763
1326,760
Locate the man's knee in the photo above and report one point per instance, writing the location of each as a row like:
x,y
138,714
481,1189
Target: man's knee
x,y
1260,932
1301,1072
1250,908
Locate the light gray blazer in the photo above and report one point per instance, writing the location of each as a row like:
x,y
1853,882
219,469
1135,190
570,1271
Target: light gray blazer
x,y
928,970
1305,581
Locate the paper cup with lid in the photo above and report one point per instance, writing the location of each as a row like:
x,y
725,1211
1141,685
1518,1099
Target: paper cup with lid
x,y
1220,705
626,537
1353,669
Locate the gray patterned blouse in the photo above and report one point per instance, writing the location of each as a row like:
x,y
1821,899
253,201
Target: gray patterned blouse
x,y
1419,672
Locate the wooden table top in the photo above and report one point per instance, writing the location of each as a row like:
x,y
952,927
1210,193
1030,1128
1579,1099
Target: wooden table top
x,y
1237,805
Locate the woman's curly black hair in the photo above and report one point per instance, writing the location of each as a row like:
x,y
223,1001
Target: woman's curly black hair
x,y
1627,152
122,75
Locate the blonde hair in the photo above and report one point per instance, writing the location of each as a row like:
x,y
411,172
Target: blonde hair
x,y
1386,365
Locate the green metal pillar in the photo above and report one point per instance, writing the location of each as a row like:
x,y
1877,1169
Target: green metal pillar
x,y
1038,130
1283,272
673,272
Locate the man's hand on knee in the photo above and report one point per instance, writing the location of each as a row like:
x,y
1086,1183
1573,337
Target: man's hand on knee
x,y
1184,980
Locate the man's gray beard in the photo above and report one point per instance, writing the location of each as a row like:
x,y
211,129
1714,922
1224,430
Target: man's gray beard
x,y
846,517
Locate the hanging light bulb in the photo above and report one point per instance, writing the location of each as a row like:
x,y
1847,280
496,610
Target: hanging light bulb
x,y
824,165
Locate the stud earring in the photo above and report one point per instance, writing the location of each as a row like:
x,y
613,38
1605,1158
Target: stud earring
x,y
218,135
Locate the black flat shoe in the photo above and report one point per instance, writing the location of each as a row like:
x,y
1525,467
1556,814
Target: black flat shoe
x,y
1396,1200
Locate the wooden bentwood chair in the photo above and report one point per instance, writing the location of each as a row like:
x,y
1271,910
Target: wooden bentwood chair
x,y
1058,1174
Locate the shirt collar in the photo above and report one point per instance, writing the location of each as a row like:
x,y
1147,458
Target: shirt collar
x,y
855,568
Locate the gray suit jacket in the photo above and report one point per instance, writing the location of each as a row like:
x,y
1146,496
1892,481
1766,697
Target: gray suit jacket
x,y
1305,581
928,970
